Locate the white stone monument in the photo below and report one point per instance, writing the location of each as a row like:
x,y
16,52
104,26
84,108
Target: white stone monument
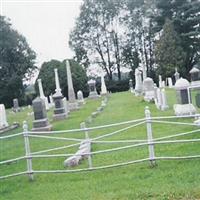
x,y
183,107
148,85
103,86
176,75
3,119
138,82
42,94
164,105
80,98
72,103
160,81
169,80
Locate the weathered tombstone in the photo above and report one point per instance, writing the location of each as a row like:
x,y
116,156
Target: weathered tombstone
x,y
169,80
138,82
80,97
40,122
194,74
59,110
72,104
176,75
160,81
164,105
103,86
92,88
183,107
42,94
16,107
148,85
3,119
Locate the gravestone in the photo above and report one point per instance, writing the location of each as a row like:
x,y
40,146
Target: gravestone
x,y
131,85
148,85
80,97
42,94
176,75
59,110
3,119
195,76
92,88
16,107
160,81
138,82
164,105
72,104
169,80
40,122
183,107
103,86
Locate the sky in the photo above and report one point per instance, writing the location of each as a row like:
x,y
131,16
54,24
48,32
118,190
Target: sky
x,y
46,25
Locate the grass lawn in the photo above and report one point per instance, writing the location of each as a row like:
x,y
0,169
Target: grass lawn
x,y
178,179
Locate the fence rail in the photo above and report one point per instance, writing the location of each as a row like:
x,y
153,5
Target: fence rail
x,y
127,144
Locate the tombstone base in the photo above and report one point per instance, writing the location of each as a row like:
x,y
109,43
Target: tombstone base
x,y
60,116
73,106
184,109
41,125
93,95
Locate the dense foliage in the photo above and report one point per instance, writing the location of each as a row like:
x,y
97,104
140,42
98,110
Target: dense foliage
x,y
16,63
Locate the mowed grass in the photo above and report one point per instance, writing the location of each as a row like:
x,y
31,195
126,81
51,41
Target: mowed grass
x,y
178,179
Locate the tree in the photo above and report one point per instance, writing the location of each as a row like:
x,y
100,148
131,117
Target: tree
x,y
95,38
169,53
46,73
185,16
17,63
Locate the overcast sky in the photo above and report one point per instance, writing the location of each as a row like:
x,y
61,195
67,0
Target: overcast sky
x,y
45,24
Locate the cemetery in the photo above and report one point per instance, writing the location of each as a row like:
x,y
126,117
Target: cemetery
x,y
100,100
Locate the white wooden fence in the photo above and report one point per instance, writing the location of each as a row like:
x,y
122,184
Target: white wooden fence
x,y
150,142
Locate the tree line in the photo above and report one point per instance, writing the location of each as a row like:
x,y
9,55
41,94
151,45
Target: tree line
x,y
159,34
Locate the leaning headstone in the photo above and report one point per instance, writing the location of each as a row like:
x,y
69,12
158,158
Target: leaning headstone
x,y
72,103
183,107
16,107
92,87
40,122
3,119
148,85
59,110
138,82
80,97
103,86
195,76
42,94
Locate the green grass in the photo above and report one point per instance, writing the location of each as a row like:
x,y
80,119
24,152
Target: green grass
x,y
168,180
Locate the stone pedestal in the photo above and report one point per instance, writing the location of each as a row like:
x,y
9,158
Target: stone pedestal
x,y
41,122
92,87
3,119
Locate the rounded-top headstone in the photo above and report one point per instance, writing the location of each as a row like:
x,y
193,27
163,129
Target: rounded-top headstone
x,y
182,83
148,84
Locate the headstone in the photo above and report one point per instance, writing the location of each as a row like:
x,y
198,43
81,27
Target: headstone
x,y
42,94
159,98
138,82
131,85
3,119
169,80
59,110
92,88
176,75
80,97
16,107
40,122
148,85
72,104
164,104
103,86
183,107
195,76
144,71
51,101
160,81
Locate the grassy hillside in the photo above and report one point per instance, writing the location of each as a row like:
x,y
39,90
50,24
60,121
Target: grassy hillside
x,y
168,180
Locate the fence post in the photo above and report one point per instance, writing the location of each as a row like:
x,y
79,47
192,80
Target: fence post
x,y
150,137
27,151
83,126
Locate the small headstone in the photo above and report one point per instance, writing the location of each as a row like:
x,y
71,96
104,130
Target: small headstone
x,y
92,87
3,119
160,81
195,76
80,97
138,82
131,85
169,80
148,85
16,107
40,122
103,86
164,105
